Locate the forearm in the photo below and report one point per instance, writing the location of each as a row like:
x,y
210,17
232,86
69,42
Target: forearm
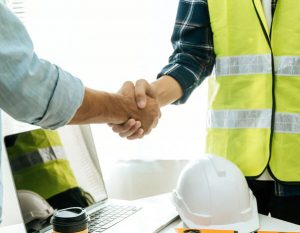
x,y
167,90
193,57
101,107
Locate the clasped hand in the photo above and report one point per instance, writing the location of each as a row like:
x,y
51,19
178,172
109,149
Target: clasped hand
x,y
144,110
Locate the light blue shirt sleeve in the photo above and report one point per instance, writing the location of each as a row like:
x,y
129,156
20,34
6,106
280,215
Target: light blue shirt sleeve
x,y
33,90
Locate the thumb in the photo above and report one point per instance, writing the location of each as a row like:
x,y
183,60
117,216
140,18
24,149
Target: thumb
x,y
142,90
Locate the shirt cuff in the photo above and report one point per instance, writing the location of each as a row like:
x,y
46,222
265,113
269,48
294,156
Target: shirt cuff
x,y
66,99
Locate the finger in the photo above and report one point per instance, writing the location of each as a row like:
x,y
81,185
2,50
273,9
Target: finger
x,y
142,89
155,123
131,131
127,89
137,134
124,127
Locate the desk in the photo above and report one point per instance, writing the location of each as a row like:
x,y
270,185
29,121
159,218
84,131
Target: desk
x,y
12,219
266,223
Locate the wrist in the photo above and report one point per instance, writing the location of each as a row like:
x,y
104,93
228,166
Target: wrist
x,y
167,90
116,108
101,107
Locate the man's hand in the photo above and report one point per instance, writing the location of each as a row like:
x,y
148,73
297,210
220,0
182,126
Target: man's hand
x,y
161,92
145,97
119,108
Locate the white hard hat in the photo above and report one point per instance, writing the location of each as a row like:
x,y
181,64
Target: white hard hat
x,y
33,206
212,193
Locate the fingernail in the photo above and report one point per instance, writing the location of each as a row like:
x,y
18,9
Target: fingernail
x,y
141,103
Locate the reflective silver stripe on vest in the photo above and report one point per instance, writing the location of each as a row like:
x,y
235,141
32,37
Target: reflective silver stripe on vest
x,y
287,65
243,65
37,157
284,122
287,123
239,118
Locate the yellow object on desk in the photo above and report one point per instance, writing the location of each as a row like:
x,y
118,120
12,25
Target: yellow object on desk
x,y
189,230
277,232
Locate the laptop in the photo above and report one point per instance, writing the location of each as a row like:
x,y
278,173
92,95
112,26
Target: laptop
x,y
148,215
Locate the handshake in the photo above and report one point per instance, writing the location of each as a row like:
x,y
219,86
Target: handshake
x,y
132,112
141,108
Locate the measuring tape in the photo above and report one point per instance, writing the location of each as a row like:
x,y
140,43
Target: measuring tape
x,y
189,230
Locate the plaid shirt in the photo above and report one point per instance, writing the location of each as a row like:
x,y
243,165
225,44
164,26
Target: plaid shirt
x,y
193,58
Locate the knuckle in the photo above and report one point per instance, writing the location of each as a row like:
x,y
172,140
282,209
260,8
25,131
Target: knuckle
x,y
121,135
141,81
128,83
115,129
127,126
139,94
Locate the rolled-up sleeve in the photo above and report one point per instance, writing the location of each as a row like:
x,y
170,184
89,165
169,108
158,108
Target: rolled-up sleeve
x,y
31,89
193,57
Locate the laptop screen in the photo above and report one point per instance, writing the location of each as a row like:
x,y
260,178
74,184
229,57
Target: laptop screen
x,y
65,173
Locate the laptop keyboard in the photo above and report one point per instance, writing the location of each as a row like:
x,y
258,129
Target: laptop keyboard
x,y
110,215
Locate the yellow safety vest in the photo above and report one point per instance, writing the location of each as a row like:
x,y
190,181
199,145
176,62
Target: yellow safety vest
x,y
39,163
254,98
